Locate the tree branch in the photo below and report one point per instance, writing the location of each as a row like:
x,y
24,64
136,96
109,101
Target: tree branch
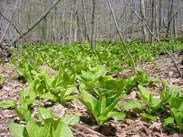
x,y
9,21
121,38
156,38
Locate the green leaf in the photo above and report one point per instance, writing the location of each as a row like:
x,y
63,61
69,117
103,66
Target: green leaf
x,y
155,102
17,130
178,117
33,129
176,102
147,116
174,92
49,96
7,104
45,113
70,119
89,101
116,115
21,112
61,129
169,122
1,79
145,94
132,104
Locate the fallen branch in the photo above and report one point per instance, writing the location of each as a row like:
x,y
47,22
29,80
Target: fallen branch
x,y
83,129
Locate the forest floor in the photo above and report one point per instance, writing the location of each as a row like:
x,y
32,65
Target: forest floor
x,y
161,67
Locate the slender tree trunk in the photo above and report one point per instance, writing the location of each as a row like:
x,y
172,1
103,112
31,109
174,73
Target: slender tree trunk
x,y
71,24
174,22
170,15
153,20
144,30
93,35
85,22
76,20
63,37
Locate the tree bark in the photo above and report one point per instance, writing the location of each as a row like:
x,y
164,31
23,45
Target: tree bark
x,y
85,23
170,15
93,37
143,15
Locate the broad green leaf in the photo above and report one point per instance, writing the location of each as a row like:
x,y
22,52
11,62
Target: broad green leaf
x,y
7,104
132,104
148,116
145,94
61,129
178,117
45,113
89,101
174,92
36,130
176,102
17,130
169,122
27,116
113,103
49,96
116,115
33,129
155,102
103,103
70,119
21,112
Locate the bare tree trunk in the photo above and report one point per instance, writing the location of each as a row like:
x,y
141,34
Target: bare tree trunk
x,y
63,37
121,38
144,30
170,15
85,23
36,22
153,20
174,22
71,24
111,26
44,26
93,37
76,20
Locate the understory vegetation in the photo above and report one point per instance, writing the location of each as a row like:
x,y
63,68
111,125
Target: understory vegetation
x,y
59,75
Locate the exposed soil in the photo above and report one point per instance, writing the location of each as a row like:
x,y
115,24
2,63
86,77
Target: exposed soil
x,y
162,68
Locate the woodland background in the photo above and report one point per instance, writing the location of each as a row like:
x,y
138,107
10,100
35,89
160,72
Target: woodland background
x,y
71,20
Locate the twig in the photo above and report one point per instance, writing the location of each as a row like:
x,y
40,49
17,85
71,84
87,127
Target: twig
x,y
121,38
87,130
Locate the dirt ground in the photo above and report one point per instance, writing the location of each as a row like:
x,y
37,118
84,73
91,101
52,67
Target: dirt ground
x,y
162,68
